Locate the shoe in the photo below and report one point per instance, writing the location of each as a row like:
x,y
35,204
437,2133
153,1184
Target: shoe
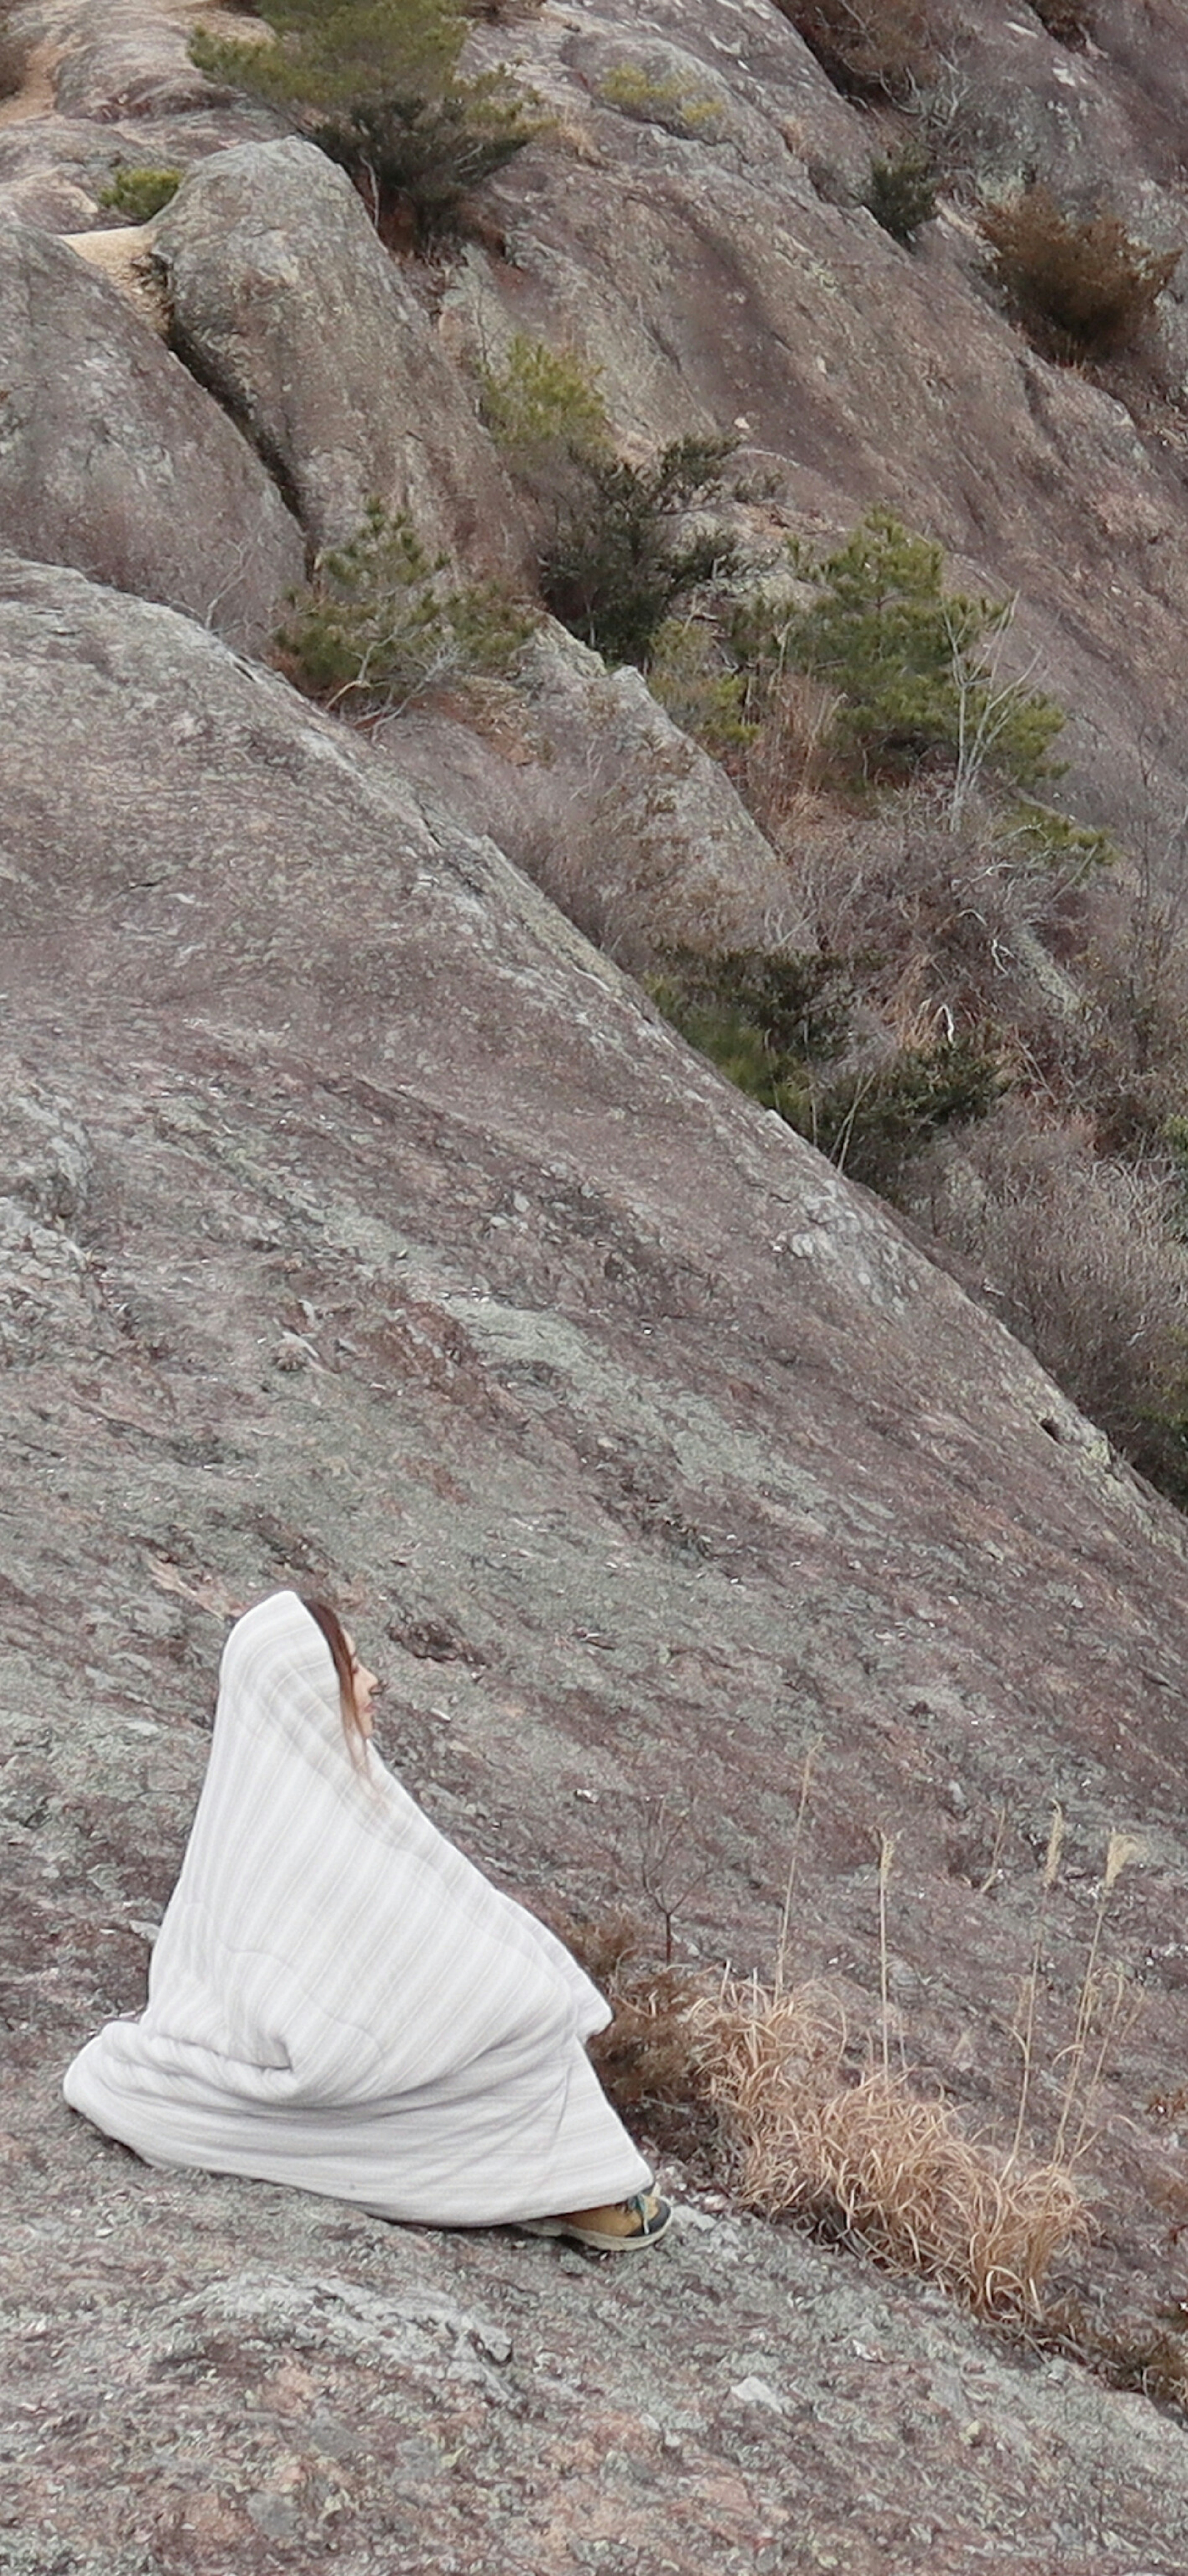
x,y
624,2228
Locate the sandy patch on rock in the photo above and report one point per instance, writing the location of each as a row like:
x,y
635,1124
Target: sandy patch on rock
x,y
123,256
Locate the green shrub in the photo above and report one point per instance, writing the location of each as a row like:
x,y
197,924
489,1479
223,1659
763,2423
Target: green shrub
x,y
870,49
616,563
1079,289
543,403
374,84
901,193
1073,851
381,621
696,686
420,159
670,103
776,1024
913,661
140,194
330,59
872,1123
781,1012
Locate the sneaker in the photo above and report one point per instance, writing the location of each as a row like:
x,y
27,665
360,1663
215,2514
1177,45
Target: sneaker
x,y
623,2228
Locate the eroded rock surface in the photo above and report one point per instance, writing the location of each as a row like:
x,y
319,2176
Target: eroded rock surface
x,y
118,463
287,306
733,277
362,1226
593,791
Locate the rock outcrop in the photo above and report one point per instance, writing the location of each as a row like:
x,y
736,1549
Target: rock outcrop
x,y
118,464
287,307
361,1226
722,281
616,814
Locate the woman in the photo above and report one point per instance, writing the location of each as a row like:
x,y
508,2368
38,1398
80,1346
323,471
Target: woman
x,y
340,2001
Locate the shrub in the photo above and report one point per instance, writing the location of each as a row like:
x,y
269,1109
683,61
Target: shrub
x,y
140,194
1079,289
942,928
785,1011
696,686
874,1122
670,103
616,562
870,49
1072,851
326,59
419,159
374,84
1135,985
543,404
1086,1265
772,1023
915,664
381,622
901,193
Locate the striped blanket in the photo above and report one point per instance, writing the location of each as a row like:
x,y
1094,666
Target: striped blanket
x,y
338,1999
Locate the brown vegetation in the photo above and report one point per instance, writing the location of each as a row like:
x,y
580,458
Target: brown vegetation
x,y
1079,289
871,49
750,2084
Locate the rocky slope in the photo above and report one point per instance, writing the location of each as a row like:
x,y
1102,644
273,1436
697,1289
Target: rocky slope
x,y
360,1223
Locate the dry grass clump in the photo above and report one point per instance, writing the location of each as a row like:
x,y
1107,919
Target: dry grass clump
x,y
763,2073
750,2082
786,762
945,915
1081,290
890,2168
1085,1260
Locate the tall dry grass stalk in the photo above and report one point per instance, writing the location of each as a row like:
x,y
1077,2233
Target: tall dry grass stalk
x,y
806,1781
1121,1850
786,763
1024,2030
886,1856
891,2167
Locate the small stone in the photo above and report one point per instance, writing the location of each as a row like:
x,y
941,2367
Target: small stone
x,y
759,2392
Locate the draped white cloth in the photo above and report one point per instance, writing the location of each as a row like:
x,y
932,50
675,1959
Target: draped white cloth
x,y
338,1999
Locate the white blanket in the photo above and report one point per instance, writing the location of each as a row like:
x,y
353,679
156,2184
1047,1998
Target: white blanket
x,y
338,1999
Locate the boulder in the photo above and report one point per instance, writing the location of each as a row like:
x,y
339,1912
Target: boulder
x,y
50,203
52,166
130,59
627,824
287,306
119,463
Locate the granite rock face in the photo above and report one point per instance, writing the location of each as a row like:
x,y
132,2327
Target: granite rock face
x,y
118,464
360,1226
722,278
128,60
627,824
285,304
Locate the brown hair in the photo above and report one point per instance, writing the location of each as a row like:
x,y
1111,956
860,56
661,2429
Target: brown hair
x,y
344,1667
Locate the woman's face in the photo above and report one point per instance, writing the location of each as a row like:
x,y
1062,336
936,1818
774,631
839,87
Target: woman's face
x,y
364,1686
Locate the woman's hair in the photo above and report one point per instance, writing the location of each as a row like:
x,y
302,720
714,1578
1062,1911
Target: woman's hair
x,y
335,1635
